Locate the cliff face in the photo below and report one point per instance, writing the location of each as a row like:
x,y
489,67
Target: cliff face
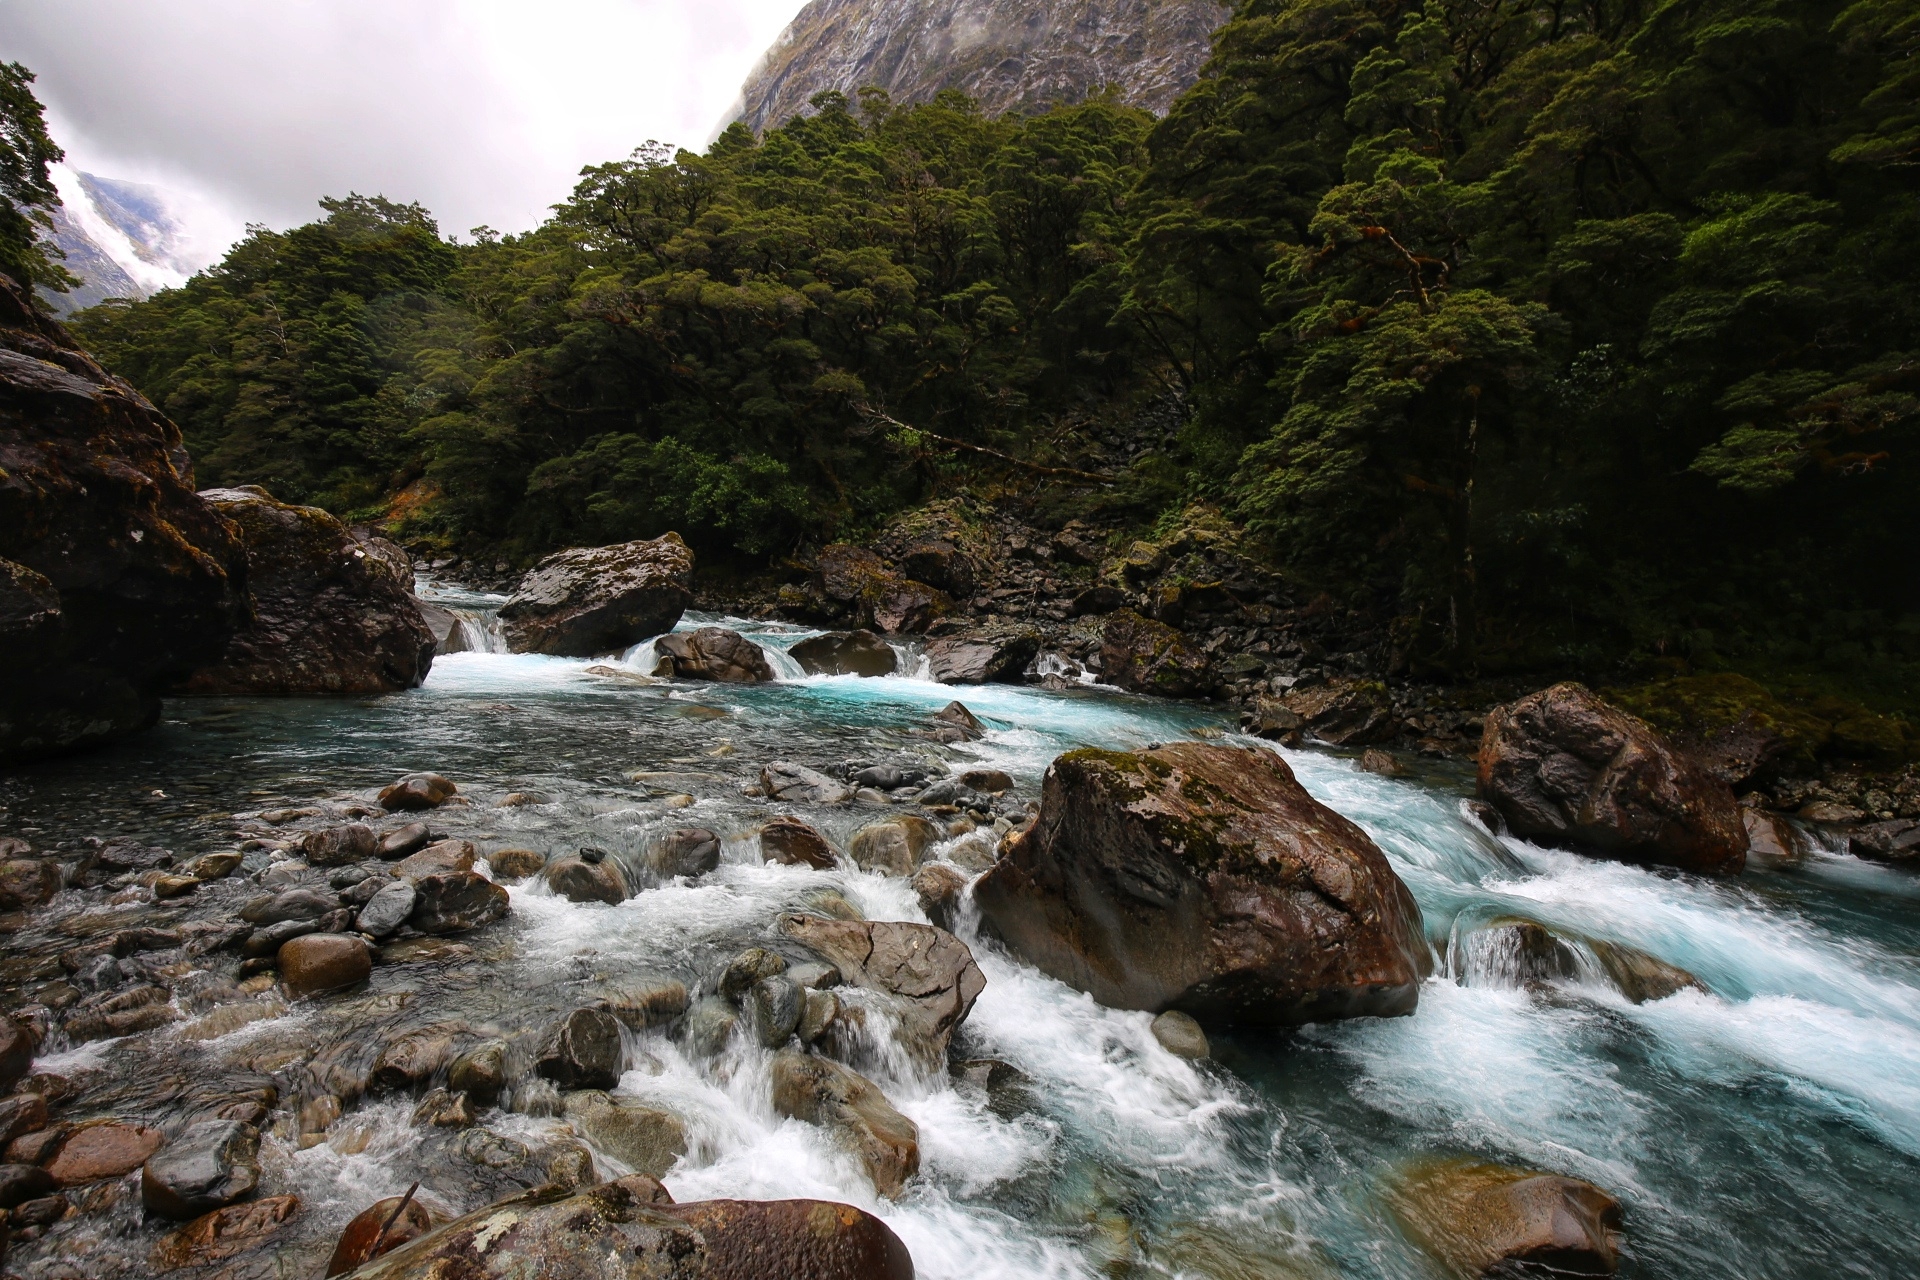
x,y
1012,55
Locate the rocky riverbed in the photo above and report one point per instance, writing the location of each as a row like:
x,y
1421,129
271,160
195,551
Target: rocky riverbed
x,y
723,935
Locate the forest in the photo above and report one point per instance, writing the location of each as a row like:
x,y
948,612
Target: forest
x,y
1574,338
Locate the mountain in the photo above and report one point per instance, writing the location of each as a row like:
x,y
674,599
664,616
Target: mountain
x,y
1011,55
120,238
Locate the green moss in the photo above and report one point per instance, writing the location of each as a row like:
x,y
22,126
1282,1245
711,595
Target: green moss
x,y
1815,725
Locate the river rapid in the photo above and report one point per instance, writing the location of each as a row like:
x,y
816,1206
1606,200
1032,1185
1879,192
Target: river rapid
x,y
1769,1130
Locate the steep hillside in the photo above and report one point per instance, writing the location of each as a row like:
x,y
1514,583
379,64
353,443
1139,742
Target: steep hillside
x,y
1009,54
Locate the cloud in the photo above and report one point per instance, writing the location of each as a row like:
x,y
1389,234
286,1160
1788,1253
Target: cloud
x,y
482,110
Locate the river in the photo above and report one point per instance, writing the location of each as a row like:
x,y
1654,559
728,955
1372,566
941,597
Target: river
x,y
1769,1129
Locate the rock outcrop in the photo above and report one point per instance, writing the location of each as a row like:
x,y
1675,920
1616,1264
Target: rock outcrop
x,y
853,586
1011,55
1566,768
595,600
115,577
712,653
1204,878
1144,656
333,614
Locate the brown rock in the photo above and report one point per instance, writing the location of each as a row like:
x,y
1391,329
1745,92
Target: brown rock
x,y
17,1048
333,613
377,1231
1565,768
411,1061
115,577
21,1114
991,780
986,658
846,653
595,600
417,791
516,864
929,973
1347,713
1771,836
955,723
1384,763
209,1166
854,583
939,564
687,851
480,1072
1895,841
455,901
37,1148
794,1240
435,859
1204,878
649,1004
1144,656
340,846
827,1094
105,1150
711,653
27,882
578,880
21,1183
411,838
223,1234
893,845
582,1051
644,1139
1482,1218
795,843
939,888
320,962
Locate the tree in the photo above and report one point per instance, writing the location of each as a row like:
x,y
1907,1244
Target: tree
x,y
27,193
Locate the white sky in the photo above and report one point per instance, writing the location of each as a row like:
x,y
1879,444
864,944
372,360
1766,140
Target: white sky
x,y
482,110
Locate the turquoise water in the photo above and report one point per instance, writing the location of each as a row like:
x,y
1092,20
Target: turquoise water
x,y
1770,1128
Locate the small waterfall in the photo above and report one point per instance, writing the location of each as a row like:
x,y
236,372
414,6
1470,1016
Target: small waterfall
x,y
475,631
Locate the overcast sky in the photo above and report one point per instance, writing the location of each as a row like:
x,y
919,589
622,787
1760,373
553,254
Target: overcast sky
x,y
482,110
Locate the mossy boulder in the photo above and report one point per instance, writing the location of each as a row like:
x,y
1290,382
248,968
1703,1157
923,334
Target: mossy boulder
x,y
1144,656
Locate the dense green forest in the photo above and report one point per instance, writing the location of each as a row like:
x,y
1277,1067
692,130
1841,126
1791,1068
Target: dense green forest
x,y
1564,334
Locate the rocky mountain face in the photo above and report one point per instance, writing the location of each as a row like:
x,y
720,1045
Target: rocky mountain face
x,y
1011,55
120,238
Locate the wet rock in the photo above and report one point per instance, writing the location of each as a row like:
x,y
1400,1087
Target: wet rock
x,y
320,962
27,882
817,1013
378,1230
456,901
43,1212
797,1239
939,888
994,780
648,1004
644,1139
127,1013
1384,763
846,653
955,723
21,1114
929,973
106,1150
223,1234
1565,768
39,1147
1640,977
443,1110
516,864
411,1061
1097,600
266,942
582,1051
1144,656
294,904
215,866
408,839
1895,841
572,1168
690,851
1180,1035
709,1025
855,584
1346,713
444,856
480,1073
893,846
773,1007
595,600
797,784
997,657
711,653
1204,878
340,846
747,968
115,577
1485,1219
20,1183
796,844
853,1108
333,613
417,792
1771,836
1009,1090
386,909
939,564
17,1048
577,880
209,1166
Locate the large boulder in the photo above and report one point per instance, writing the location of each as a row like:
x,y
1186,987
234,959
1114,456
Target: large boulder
x,y
846,653
852,1107
795,843
593,877
939,563
1566,768
630,1229
1204,878
116,578
998,656
1485,1219
642,1138
893,846
712,653
456,901
1144,656
1347,713
929,974
854,585
333,613
595,600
